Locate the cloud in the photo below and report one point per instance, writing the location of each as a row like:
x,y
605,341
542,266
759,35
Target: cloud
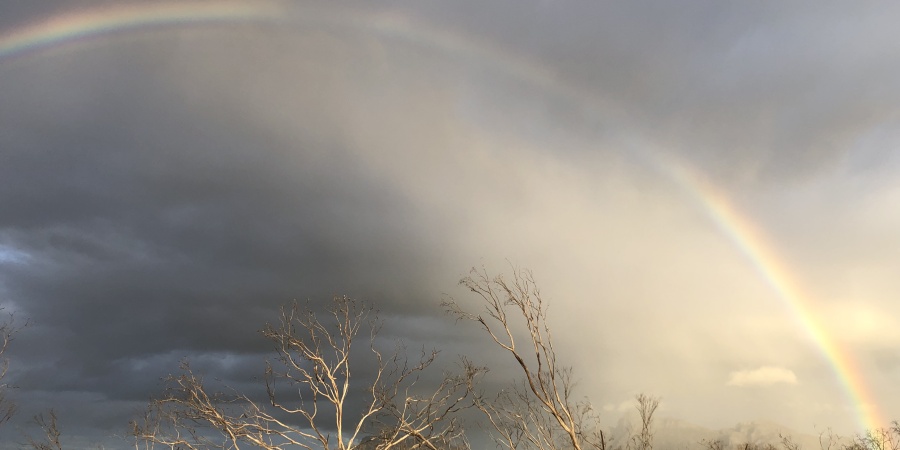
x,y
623,406
764,376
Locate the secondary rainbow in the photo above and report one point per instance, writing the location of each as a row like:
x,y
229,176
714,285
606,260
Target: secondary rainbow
x,y
96,23
73,26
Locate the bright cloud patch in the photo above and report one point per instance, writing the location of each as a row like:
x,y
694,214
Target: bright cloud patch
x,y
11,255
626,405
764,376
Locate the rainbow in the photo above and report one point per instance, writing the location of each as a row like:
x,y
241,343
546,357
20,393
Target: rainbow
x,y
91,24
753,245
81,25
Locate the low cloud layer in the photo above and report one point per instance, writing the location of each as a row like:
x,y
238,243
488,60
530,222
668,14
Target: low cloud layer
x,y
763,376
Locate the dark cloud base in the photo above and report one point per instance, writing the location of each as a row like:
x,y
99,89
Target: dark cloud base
x,y
155,229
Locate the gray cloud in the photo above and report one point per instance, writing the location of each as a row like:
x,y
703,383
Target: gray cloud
x,y
167,190
763,91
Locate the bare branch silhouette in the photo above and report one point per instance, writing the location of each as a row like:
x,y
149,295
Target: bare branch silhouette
x,y
646,406
541,413
314,360
51,433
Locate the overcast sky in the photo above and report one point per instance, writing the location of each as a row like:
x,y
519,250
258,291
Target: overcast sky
x,y
164,188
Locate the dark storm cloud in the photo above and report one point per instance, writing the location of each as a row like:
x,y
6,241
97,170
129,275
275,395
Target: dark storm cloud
x,y
16,13
156,227
760,90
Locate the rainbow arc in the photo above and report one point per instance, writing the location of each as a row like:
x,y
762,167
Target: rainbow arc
x,y
752,243
103,22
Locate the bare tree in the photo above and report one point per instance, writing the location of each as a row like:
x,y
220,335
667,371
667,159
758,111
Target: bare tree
x,y
314,360
646,406
788,443
879,439
713,444
51,433
828,440
8,329
755,446
541,413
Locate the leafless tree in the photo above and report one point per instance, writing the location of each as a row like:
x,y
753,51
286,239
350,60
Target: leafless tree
x,y
828,440
541,413
714,444
788,443
314,359
646,406
51,433
755,446
855,444
879,439
8,329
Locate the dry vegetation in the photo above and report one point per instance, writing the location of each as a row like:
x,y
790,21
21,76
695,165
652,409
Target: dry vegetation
x,y
309,390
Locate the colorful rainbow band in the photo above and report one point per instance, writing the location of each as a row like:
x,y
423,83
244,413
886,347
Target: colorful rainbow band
x,y
753,245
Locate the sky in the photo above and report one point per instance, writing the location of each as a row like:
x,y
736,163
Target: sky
x,y
708,193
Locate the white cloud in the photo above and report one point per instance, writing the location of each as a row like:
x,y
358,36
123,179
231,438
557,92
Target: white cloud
x,y
764,376
625,405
